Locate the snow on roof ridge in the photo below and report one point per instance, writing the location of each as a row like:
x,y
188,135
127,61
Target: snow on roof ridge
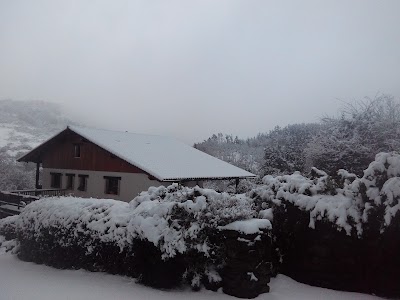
x,y
115,131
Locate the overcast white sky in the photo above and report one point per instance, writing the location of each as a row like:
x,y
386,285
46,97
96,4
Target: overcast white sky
x,y
192,68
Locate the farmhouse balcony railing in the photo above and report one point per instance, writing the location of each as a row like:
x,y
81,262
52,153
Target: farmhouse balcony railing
x,y
12,202
41,192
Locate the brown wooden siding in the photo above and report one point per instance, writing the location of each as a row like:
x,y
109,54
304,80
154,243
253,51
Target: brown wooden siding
x,y
60,155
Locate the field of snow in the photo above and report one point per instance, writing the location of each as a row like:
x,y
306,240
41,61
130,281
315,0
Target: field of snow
x,y
23,280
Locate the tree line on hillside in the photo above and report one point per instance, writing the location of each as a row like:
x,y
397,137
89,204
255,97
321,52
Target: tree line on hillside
x,y
350,140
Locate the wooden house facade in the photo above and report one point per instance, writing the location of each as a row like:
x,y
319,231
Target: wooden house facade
x,y
119,165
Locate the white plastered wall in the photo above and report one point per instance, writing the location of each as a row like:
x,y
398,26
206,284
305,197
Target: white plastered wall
x,y
131,184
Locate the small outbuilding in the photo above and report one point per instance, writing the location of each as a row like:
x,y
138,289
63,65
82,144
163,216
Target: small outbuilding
x,y
98,163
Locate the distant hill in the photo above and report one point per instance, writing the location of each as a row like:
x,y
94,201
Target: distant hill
x,y
25,124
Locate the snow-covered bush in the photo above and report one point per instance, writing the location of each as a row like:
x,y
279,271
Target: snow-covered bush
x,y
205,205
8,245
377,193
8,240
8,227
229,186
318,196
346,200
345,213
163,236
190,221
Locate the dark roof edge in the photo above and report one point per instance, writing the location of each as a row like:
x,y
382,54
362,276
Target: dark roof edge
x,y
207,178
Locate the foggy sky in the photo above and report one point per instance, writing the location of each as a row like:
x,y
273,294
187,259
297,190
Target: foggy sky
x,y
192,68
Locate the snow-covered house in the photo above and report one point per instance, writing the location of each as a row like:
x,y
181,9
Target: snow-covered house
x,y
110,164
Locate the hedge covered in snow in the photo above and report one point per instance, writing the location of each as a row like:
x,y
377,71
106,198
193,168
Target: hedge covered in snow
x,y
350,203
164,237
340,232
8,227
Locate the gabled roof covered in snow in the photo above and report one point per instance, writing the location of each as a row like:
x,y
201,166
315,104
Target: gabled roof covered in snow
x,y
165,158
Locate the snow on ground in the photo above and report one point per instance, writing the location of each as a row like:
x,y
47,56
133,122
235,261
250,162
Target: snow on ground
x,y
24,280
